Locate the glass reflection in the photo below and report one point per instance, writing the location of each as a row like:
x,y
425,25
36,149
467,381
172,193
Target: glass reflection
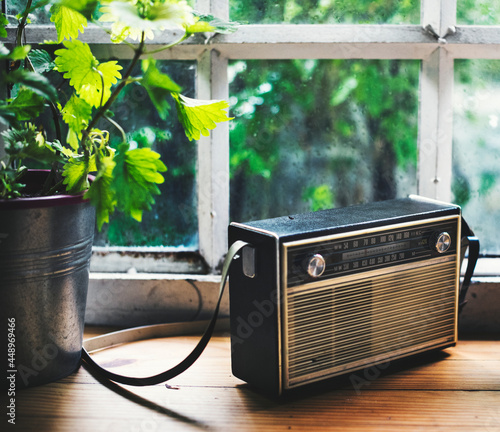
x,y
318,134
476,148
326,11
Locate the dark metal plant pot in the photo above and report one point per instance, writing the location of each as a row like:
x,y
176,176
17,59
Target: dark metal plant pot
x,y
45,249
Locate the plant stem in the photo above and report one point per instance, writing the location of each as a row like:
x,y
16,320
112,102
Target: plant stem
x,y
47,189
163,48
55,188
22,23
57,125
139,51
117,126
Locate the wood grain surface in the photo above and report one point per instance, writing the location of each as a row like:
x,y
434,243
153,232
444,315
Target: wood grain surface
x,y
457,389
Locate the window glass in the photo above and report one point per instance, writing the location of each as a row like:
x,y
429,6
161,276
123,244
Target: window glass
x,y
173,219
325,11
476,148
38,16
315,134
478,12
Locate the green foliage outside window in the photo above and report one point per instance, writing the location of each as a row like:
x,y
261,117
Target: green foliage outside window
x,y
326,11
305,127
348,124
314,134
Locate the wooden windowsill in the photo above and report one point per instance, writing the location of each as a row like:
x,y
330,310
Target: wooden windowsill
x,y
457,389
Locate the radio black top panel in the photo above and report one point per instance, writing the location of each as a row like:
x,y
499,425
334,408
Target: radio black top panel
x,y
355,217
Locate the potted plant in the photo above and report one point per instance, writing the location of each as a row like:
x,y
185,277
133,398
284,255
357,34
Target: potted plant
x,y
47,217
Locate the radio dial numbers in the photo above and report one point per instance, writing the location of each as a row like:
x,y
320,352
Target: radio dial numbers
x,y
375,251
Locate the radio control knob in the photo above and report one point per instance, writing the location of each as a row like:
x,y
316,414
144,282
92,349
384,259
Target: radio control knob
x,y
442,242
316,266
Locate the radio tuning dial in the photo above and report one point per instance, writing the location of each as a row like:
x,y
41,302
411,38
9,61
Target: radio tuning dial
x,y
442,242
316,266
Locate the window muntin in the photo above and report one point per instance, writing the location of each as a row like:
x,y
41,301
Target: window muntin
x,y
315,134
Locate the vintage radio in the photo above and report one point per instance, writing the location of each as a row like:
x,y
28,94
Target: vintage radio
x,y
322,294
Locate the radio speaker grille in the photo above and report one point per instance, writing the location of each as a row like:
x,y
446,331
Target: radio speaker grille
x,y
334,328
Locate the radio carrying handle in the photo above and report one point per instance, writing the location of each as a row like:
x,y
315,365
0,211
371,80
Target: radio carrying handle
x,y
470,241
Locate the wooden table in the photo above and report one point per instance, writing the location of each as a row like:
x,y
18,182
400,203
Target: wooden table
x,y
457,389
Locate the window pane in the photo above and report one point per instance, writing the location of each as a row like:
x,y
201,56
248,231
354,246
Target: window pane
x,y
173,219
325,11
478,12
38,16
476,148
320,133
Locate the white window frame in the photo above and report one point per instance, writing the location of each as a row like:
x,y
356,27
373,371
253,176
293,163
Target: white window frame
x,y
175,283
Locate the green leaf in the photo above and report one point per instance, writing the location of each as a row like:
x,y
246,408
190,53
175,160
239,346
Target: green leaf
x,y
67,21
34,81
10,186
200,27
130,21
85,73
199,116
320,197
65,152
216,24
27,105
344,91
159,86
100,193
3,22
18,53
41,61
136,175
84,7
76,114
4,51
76,172
72,139
29,143
7,117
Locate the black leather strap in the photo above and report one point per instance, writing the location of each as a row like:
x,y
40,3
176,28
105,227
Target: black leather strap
x,y
469,240
190,359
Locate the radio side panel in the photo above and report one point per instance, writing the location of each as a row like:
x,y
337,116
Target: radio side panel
x,y
255,310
